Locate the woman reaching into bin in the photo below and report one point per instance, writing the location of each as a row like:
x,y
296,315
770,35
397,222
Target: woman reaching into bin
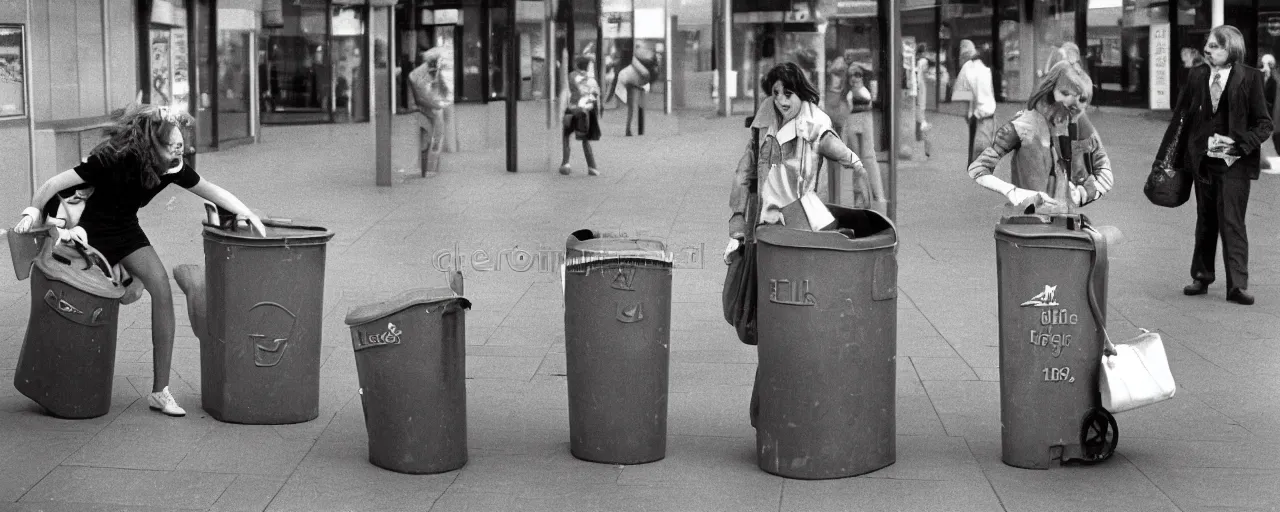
x,y
793,137
777,182
141,156
1044,175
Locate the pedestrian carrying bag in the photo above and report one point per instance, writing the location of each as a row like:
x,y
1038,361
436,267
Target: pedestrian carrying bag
x,y
1169,183
1138,375
739,294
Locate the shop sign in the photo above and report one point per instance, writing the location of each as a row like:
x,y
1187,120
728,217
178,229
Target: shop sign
x,y
855,8
1158,52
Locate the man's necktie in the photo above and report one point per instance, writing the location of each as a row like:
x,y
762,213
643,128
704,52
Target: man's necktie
x,y
1215,90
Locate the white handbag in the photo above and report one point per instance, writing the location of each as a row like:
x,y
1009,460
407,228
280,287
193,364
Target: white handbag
x,y
1138,375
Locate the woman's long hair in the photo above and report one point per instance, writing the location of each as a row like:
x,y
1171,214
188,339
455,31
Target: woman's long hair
x,y
1064,74
136,134
793,79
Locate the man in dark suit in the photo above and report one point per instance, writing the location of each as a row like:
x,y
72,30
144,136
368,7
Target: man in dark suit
x,y
1227,126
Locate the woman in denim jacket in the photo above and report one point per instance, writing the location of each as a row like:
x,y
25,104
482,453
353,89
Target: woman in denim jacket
x,y
795,136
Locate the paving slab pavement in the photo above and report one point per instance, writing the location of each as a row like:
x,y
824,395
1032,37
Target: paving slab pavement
x,y
1214,446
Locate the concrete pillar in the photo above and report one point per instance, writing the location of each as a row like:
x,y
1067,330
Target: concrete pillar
x,y
725,61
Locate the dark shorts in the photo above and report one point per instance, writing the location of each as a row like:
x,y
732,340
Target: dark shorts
x,y
585,125
117,241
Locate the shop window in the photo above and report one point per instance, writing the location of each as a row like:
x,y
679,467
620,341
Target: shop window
x,y
473,57
963,21
499,48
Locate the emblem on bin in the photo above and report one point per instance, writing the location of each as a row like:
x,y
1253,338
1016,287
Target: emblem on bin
x,y
272,326
391,336
630,313
624,280
1043,299
792,294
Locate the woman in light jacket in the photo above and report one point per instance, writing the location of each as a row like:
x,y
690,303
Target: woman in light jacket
x,y
795,136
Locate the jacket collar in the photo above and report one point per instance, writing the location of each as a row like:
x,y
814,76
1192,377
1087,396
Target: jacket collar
x,y
768,119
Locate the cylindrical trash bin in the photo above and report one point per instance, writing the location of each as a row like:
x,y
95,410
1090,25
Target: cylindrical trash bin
x,y
410,358
260,362
1050,344
617,336
827,319
68,356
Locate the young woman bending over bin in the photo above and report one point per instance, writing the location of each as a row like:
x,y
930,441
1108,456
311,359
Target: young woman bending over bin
x,y
1058,162
141,156
794,136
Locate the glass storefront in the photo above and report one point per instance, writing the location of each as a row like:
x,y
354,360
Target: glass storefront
x,y
314,62
1117,51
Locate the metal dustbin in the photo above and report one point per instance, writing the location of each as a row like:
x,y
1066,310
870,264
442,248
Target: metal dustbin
x,y
411,361
68,356
1050,342
260,359
827,341
617,336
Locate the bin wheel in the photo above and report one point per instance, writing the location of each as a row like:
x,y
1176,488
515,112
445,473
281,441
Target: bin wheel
x,y
1099,435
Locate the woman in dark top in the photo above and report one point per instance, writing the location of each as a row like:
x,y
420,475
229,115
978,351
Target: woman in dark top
x,y
141,156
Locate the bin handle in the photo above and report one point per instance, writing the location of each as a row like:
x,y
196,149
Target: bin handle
x,y
1108,348
70,312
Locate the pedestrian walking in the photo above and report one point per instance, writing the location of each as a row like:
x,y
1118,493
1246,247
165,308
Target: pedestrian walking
x,y
1057,162
632,83
974,84
1222,149
432,92
141,156
858,132
579,102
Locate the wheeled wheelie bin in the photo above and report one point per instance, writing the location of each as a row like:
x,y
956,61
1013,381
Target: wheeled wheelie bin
x,y
617,337
1052,285
410,358
827,323
68,356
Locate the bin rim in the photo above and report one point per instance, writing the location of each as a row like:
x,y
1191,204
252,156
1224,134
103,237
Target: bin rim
x,y
782,236
277,235
91,280
368,313
1018,232
589,246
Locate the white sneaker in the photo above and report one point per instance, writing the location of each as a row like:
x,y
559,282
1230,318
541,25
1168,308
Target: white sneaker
x,y
163,401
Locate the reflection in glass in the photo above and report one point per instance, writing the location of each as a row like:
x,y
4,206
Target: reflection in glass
x,y
233,85
296,79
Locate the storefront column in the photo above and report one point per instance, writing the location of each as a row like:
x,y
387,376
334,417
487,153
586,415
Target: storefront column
x,y
726,56
1218,12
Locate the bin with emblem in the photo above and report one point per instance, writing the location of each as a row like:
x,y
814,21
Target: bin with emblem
x,y
410,353
1052,279
825,390
67,362
256,307
617,330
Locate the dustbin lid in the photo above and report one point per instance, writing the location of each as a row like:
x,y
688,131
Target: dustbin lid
x,y
415,297
279,234
73,273
586,246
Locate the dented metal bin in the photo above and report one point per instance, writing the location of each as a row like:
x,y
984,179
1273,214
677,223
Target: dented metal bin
x,y
824,395
410,354
617,316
